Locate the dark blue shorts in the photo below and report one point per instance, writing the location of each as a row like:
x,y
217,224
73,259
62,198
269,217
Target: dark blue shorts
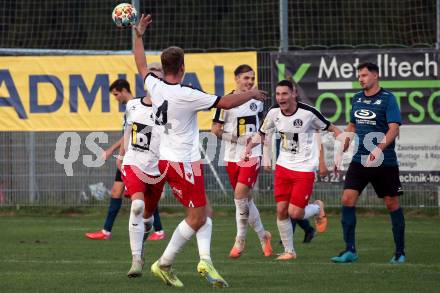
x,y
385,179
118,176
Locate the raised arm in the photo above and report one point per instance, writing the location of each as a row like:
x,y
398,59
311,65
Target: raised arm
x,y
139,51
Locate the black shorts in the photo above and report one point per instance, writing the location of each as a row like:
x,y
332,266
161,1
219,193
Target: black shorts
x,y
385,180
118,176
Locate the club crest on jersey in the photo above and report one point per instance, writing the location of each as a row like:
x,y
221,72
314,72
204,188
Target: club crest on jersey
x,y
297,123
253,106
378,102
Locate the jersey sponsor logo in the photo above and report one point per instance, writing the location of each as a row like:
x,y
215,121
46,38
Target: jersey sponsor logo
x,y
253,106
141,136
246,125
378,102
297,123
364,114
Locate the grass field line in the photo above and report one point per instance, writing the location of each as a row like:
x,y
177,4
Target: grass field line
x,y
247,263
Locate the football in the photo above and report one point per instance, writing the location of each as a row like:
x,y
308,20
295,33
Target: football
x,y
124,15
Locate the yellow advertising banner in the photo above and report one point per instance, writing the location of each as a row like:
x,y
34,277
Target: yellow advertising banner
x,y
71,93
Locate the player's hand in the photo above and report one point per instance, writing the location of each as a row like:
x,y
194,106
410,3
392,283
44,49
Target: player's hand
x,y
142,25
372,158
106,154
246,155
119,163
268,169
323,171
259,95
337,163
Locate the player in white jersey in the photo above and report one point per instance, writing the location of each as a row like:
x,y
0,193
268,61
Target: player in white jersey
x,y
175,107
234,127
298,125
140,174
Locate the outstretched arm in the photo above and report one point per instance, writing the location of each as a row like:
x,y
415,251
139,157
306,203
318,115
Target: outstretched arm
x,y
108,152
236,99
139,51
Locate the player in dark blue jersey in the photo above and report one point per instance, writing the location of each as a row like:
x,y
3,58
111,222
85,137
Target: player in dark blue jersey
x,y
375,119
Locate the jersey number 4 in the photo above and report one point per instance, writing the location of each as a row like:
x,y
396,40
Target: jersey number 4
x,y
161,114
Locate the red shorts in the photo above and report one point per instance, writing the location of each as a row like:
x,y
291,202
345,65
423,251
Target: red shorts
x,y
293,186
243,172
186,181
135,180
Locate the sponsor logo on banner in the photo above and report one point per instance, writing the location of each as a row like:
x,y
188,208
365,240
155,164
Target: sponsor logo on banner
x,y
55,93
328,80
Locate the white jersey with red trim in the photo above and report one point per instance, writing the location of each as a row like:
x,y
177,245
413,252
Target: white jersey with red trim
x,y
175,107
144,139
299,150
240,122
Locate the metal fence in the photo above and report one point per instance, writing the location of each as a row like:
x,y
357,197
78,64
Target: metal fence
x,y
212,26
31,176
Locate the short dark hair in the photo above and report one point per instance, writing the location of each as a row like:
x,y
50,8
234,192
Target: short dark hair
x,y
370,66
287,83
243,68
120,84
172,59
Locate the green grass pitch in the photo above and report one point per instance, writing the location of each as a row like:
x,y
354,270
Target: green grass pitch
x,y
51,254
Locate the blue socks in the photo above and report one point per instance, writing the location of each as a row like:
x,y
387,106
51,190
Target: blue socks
x,y
157,224
348,222
304,224
113,209
398,225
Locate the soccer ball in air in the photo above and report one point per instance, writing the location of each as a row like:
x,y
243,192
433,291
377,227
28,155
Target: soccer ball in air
x,y
124,15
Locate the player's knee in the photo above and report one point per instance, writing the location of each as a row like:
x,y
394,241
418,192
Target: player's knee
x,y
115,192
392,203
282,213
348,201
137,207
296,214
196,221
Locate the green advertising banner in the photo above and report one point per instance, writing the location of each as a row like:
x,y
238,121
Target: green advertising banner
x,y
328,80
